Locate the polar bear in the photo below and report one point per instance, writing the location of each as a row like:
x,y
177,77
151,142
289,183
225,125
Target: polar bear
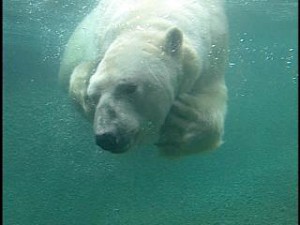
x,y
151,72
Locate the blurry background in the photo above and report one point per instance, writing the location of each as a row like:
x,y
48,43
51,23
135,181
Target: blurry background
x,y
54,174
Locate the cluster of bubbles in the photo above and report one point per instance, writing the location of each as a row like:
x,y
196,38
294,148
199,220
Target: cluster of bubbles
x,y
55,21
247,52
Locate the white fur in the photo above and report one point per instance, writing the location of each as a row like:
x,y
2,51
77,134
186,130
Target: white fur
x,y
173,50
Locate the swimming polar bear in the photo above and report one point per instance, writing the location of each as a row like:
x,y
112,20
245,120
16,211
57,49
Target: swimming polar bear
x,y
151,72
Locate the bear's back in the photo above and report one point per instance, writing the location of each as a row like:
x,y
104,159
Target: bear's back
x,y
202,22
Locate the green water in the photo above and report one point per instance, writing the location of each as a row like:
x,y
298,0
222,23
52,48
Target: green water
x,y
54,174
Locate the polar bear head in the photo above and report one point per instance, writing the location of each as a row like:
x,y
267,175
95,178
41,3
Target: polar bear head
x,y
133,88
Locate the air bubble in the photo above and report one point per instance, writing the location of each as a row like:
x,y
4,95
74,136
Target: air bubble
x,y
231,64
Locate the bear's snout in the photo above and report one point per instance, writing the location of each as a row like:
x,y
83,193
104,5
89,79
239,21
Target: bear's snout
x,y
111,141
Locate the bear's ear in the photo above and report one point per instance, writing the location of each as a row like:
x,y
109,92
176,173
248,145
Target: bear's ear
x,y
173,41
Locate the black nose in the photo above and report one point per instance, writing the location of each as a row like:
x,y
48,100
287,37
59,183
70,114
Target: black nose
x,y
110,141
107,140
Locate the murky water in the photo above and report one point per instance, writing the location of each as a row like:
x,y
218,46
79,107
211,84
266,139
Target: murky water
x,y
54,174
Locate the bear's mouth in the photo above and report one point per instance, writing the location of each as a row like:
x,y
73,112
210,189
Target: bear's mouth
x,y
118,150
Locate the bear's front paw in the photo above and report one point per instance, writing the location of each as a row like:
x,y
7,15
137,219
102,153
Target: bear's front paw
x,y
187,131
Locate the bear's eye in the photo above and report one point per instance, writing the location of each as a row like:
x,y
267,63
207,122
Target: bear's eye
x,y
128,88
94,98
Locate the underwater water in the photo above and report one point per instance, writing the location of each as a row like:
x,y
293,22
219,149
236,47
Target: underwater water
x,y
54,174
